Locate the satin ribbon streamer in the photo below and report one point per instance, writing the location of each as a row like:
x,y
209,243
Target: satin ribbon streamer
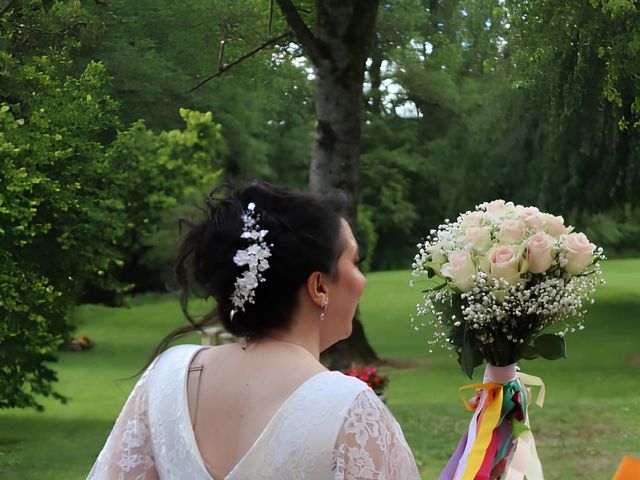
x,y
489,439
525,461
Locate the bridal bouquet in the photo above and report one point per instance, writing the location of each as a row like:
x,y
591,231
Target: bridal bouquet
x,y
506,273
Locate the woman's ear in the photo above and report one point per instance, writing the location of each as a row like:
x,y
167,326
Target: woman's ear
x,y
317,289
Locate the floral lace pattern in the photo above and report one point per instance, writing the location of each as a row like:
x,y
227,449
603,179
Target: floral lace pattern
x,y
127,453
332,427
371,444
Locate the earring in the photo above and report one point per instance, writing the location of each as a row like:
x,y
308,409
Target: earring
x,y
323,314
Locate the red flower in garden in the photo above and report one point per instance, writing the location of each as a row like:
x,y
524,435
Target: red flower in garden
x,y
370,376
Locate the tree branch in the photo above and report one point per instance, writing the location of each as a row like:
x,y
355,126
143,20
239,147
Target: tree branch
x,y
310,44
251,53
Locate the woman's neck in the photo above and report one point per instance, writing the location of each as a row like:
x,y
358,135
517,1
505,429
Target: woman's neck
x,y
299,342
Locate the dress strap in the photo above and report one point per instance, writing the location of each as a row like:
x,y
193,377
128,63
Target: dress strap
x,y
193,385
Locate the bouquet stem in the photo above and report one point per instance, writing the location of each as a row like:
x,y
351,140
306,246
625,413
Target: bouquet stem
x,y
501,375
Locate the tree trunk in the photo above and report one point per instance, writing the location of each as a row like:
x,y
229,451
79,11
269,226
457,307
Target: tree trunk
x,y
338,50
346,28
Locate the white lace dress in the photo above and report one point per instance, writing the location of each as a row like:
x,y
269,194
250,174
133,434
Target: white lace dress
x,y
332,427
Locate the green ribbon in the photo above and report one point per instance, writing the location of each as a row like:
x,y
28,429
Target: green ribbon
x,y
508,408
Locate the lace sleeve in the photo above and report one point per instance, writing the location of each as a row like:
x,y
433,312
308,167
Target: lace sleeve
x,y
127,454
371,445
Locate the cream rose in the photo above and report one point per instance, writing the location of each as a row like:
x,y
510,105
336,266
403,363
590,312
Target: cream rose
x,y
437,257
579,253
505,263
555,225
471,219
511,231
480,237
497,207
460,269
539,253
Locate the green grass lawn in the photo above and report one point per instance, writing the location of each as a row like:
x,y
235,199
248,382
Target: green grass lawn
x,y
591,417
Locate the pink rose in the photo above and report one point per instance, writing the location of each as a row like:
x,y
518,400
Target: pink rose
x,y
533,218
539,254
555,226
460,269
579,253
505,263
472,219
480,237
526,211
497,207
511,231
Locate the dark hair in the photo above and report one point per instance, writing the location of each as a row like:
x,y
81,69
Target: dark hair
x,y
304,231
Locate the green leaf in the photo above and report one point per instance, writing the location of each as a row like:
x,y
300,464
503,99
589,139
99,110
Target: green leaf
x,y
550,346
436,288
518,428
527,351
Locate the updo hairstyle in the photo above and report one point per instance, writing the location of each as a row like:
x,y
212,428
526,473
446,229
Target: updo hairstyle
x,y
303,236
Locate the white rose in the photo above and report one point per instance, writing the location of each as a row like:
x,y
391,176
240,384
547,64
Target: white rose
x,y
480,237
579,253
437,255
539,252
511,231
505,263
460,269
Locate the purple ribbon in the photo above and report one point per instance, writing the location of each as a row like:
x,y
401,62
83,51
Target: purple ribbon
x,y
450,470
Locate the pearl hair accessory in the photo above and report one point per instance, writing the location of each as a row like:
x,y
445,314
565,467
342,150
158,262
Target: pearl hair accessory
x,y
254,257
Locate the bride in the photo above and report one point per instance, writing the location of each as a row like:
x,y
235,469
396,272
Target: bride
x,y
283,269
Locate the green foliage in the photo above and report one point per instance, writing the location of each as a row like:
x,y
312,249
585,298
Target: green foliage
x,y
32,311
618,229
264,104
534,102
578,65
157,173
58,214
76,195
156,170
367,236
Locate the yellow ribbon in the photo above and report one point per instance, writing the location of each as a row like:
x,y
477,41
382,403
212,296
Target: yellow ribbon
x,y
488,421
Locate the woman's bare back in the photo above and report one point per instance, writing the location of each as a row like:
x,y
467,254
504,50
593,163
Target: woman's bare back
x,y
237,393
